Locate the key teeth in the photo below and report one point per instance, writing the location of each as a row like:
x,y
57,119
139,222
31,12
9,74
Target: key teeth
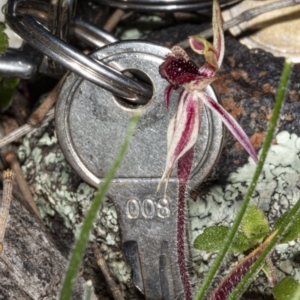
x,y
163,271
132,256
131,253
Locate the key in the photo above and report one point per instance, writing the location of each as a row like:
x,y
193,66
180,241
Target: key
x,y
91,124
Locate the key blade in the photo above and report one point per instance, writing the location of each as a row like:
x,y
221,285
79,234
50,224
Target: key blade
x,y
148,223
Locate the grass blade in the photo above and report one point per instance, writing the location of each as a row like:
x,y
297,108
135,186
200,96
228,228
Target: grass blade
x,y
80,245
241,287
230,237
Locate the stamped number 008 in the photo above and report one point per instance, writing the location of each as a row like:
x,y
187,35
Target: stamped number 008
x,y
147,209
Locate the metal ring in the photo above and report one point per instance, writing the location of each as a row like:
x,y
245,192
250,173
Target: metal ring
x,y
163,5
59,17
60,13
82,30
96,72
21,64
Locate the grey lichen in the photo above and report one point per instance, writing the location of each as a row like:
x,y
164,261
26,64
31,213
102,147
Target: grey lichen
x,y
277,191
57,189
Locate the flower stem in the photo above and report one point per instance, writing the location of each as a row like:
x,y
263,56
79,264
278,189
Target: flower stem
x,y
181,233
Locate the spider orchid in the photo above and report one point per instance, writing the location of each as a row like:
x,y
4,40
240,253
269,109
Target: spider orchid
x,y
179,70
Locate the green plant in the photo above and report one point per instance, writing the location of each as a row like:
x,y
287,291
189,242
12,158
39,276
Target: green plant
x,y
251,265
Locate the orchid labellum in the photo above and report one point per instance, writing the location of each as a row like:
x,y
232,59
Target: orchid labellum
x,y
180,71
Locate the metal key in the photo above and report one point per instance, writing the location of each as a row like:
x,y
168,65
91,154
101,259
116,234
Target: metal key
x,y
91,124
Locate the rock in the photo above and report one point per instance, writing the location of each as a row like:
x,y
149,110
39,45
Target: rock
x,y
38,268
246,87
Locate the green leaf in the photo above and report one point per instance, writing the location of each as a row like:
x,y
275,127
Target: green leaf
x,y
3,39
6,97
285,289
212,239
10,82
293,231
255,225
7,90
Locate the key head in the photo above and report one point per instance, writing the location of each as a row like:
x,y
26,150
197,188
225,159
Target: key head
x,y
91,122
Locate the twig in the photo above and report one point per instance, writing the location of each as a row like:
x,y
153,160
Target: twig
x,y
244,17
38,115
8,177
13,161
7,262
273,277
114,288
114,19
21,131
42,115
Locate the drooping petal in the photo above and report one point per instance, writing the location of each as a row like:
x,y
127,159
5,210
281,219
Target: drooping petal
x,y
230,122
182,131
219,44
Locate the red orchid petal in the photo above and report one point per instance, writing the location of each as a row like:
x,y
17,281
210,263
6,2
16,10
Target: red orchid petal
x,y
230,122
198,44
217,21
202,46
183,130
167,96
178,71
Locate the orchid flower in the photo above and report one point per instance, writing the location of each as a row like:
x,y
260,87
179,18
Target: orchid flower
x,y
180,71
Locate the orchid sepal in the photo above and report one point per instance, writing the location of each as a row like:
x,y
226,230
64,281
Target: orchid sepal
x,y
219,42
179,70
183,131
230,123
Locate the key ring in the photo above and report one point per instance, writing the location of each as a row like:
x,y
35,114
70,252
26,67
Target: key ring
x,y
82,30
163,5
25,63
60,13
106,77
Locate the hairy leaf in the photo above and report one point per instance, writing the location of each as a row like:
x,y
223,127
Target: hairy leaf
x,y
293,231
212,239
7,90
231,281
3,39
285,289
255,225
